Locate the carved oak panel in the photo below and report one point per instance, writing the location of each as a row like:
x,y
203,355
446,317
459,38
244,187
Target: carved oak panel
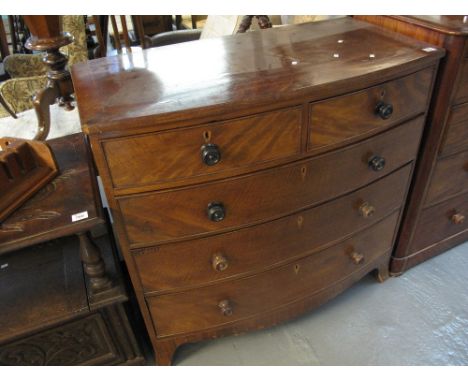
x,y
83,342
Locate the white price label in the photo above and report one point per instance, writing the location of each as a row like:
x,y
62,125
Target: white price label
x,y
79,216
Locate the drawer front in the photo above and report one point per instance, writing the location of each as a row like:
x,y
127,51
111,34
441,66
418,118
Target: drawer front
x,y
441,222
167,215
450,178
462,90
249,250
208,307
339,119
209,149
456,135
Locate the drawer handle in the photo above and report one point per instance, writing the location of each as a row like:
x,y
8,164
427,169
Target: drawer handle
x,y
225,307
376,163
219,262
366,210
216,211
457,219
358,258
210,154
384,110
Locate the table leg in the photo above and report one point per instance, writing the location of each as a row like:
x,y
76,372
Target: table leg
x,y
7,108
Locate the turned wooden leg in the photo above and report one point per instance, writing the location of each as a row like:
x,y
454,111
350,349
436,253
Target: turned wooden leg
x,y
382,272
46,36
66,102
42,101
164,352
94,266
7,107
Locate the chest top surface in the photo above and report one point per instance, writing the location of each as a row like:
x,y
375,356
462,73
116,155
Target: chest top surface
x,y
214,76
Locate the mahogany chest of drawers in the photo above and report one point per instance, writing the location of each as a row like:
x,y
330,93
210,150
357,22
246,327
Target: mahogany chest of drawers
x,y
435,219
261,178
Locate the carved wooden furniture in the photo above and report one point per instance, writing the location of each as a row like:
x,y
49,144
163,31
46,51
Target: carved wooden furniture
x,y
261,180
25,167
436,217
57,309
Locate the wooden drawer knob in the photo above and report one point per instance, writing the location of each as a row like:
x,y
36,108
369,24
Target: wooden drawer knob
x,y
366,210
219,262
210,154
216,211
376,163
457,219
384,110
225,307
357,258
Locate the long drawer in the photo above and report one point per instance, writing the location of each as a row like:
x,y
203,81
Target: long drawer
x,y
441,222
213,148
231,301
232,203
456,136
450,178
249,250
339,119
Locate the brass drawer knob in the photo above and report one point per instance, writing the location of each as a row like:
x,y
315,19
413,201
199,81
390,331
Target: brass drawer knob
x,y
210,154
225,307
457,219
366,210
376,163
219,262
216,211
357,258
384,110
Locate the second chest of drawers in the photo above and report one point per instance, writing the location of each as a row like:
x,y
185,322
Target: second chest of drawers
x,y
437,212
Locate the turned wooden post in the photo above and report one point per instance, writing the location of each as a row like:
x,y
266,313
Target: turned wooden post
x,y
46,36
94,266
263,22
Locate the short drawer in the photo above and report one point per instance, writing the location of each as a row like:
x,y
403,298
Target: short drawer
x,y
231,301
249,250
208,149
218,206
440,222
348,117
450,178
456,135
462,89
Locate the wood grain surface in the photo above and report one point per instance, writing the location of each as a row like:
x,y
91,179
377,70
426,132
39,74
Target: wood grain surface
x,y
336,120
176,154
246,251
233,74
198,309
181,213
